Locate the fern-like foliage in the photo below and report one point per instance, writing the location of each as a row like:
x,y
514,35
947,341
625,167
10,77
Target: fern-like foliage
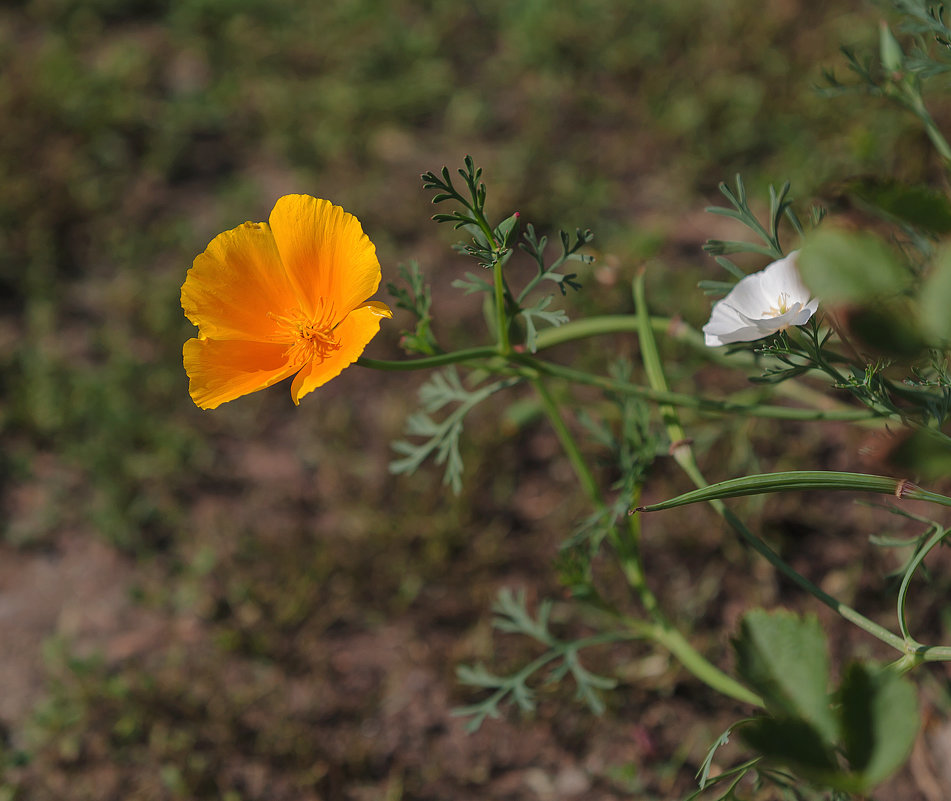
x,y
441,437
512,616
417,299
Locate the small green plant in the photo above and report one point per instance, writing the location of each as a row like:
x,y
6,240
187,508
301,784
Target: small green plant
x,y
863,311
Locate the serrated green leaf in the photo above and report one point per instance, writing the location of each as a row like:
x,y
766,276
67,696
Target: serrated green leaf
x,y
478,713
847,267
442,437
879,714
793,742
703,774
783,657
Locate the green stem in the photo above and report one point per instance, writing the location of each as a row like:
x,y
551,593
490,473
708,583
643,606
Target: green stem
x,y
693,661
679,331
844,611
470,354
568,443
798,481
501,318
668,398
934,653
934,540
934,133
601,325
685,458
627,549
652,365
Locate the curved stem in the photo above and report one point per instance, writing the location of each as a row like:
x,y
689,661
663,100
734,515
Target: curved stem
x,y
589,327
934,653
917,105
664,396
937,536
690,658
568,443
844,611
801,480
662,632
428,362
685,458
598,326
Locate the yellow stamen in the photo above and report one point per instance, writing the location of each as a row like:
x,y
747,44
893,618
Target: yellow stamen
x,y
781,307
311,339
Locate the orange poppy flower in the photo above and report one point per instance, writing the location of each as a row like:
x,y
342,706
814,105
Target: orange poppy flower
x,y
278,298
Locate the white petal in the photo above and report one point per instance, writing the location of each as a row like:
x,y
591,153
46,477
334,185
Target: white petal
x,y
782,278
748,312
726,326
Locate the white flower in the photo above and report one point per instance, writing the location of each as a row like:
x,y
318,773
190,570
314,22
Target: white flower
x,y
761,304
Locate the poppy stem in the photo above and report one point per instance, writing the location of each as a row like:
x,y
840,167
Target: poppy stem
x,y
685,458
501,318
428,362
627,548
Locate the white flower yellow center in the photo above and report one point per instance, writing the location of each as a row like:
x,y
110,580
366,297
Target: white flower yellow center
x,y
781,307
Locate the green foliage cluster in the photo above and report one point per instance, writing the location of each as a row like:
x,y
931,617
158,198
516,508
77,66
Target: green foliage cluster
x,y
870,720
851,741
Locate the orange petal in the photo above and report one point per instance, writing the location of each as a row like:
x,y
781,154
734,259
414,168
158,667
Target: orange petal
x,y
353,333
236,283
328,258
222,370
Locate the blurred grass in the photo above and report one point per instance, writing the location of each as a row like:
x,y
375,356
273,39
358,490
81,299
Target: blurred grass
x,y
134,131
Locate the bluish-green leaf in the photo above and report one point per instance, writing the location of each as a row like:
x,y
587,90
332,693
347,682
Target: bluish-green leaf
x,y
918,206
793,742
934,302
879,713
893,59
847,267
503,231
783,657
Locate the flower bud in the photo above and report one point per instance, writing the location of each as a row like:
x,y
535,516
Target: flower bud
x,y
893,59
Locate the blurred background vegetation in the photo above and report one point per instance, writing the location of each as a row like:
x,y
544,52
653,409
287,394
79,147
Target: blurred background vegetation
x,y
244,604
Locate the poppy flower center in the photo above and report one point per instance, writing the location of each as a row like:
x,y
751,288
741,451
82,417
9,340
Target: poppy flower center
x,y
781,307
311,339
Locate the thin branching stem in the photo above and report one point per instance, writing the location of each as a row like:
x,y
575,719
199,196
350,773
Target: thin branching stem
x,y
685,458
627,549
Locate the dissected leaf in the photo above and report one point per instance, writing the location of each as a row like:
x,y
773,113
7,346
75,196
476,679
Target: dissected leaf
x,y
540,310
